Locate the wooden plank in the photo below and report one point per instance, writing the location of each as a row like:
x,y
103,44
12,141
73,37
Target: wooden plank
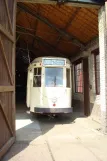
x,y
6,33
7,112
72,3
6,146
14,66
8,15
5,59
7,88
6,119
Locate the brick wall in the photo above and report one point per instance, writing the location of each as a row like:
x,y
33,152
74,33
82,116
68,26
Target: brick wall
x,y
103,65
78,99
94,99
98,103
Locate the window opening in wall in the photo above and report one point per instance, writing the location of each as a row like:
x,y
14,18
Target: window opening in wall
x,y
78,77
68,78
37,77
97,73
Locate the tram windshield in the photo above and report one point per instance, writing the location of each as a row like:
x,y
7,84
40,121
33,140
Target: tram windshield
x,y
53,77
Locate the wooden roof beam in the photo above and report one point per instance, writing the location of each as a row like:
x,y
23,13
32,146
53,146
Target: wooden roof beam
x,y
67,25
75,3
22,31
34,14
32,50
36,25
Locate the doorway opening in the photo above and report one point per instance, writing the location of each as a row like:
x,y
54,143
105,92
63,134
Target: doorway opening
x,y
53,30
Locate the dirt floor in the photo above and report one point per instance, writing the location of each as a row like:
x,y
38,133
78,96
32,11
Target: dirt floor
x,y
63,138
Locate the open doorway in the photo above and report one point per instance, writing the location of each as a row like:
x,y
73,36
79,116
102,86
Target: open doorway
x,y
51,30
41,30
23,58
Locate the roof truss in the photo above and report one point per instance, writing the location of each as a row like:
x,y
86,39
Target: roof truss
x,y
46,21
23,31
67,25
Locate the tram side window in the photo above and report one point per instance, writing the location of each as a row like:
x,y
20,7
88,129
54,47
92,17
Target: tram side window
x,y
37,77
68,78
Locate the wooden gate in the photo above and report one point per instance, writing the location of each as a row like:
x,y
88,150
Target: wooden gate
x,y
7,74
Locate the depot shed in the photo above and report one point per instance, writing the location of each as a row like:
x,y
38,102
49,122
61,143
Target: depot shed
x,y
73,29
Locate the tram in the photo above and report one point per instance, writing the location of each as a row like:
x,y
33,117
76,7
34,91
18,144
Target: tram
x,y
49,86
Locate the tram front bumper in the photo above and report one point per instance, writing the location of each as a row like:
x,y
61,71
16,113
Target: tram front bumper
x,y
52,110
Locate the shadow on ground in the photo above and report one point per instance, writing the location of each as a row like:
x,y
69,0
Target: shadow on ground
x,y
31,129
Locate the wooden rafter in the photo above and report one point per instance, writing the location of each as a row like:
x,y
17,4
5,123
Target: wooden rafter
x,y
18,13
72,18
44,20
5,60
67,25
36,25
18,38
27,19
39,39
44,43
8,15
6,119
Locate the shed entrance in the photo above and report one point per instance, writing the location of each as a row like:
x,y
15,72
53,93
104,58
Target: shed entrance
x,y
41,30
54,30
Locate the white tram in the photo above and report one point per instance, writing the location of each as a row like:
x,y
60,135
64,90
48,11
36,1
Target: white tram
x,y
49,86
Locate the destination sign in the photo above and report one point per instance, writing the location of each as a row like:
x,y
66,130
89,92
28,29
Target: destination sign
x,y
57,62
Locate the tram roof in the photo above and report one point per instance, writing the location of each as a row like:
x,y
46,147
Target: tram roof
x,y
41,58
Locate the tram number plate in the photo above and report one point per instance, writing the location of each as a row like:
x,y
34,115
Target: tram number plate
x,y
53,62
